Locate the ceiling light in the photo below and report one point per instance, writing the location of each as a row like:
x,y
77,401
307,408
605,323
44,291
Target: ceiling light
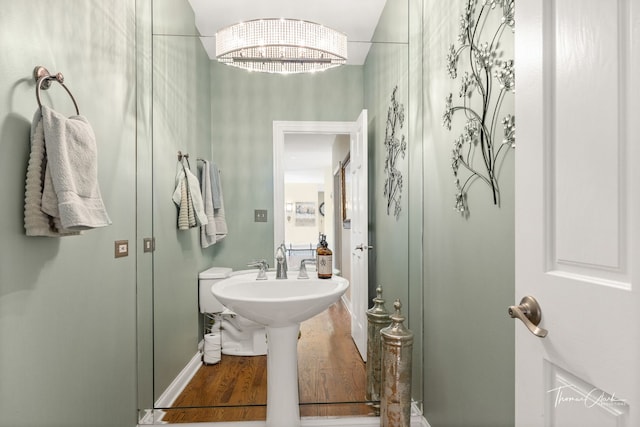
x,y
278,45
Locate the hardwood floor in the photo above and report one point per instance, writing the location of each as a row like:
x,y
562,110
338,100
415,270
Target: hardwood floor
x,y
331,377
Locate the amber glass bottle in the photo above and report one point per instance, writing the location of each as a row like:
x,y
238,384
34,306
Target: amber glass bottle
x,y
325,260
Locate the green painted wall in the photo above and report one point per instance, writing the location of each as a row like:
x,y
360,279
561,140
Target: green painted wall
x,y
67,307
386,68
181,122
181,116
468,263
244,106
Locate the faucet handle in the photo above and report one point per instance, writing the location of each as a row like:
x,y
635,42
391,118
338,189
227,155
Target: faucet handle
x,y
262,265
258,263
302,274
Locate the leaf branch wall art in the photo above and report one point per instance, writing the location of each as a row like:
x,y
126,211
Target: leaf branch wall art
x,y
486,81
396,147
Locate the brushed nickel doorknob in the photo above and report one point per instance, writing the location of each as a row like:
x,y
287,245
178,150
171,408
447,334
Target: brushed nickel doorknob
x,y
529,312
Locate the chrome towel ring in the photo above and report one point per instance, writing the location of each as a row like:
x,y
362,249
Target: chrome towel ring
x,y
43,81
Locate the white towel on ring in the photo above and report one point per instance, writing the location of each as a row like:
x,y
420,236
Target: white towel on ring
x,y
71,191
193,206
36,222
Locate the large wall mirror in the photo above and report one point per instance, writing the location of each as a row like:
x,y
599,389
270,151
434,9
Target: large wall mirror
x,y
225,115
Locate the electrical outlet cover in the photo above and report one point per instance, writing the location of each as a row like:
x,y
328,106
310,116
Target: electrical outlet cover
x,y
260,215
121,248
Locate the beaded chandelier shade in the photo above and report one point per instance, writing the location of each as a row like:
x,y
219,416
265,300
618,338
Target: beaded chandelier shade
x,y
281,46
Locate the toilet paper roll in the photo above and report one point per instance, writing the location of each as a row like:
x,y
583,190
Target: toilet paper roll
x,y
212,348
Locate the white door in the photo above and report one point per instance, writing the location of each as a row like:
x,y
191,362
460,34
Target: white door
x,y
358,208
578,211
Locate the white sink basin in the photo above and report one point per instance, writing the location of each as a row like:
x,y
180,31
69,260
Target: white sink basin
x,y
280,302
280,305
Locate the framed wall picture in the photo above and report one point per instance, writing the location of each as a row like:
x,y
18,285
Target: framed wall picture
x,y
305,214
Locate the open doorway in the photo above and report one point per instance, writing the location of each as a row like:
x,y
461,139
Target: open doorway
x,y
351,136
313,197
308,194
308,158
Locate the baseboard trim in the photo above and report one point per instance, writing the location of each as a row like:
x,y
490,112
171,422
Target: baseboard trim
x,y
416,421
180,382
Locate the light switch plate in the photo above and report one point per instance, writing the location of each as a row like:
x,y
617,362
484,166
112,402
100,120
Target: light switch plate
x,y
121,248
260,215
148,244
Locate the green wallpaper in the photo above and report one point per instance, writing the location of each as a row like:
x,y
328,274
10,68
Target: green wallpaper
x,y
181,115
67,307
468,263
385,69
244,106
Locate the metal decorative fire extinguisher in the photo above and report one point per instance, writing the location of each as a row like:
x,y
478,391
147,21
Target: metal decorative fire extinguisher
x,y
397,345
378,318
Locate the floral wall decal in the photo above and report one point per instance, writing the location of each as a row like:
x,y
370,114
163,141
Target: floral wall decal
x,y
396,146
484,85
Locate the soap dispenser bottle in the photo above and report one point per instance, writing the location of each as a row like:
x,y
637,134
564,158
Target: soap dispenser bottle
x,y
325,259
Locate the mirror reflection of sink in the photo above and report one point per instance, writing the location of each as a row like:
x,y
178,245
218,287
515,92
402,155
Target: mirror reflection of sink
x,y
276,303
280,305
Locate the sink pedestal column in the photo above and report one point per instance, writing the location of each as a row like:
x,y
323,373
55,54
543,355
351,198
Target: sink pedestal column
x,y
283,408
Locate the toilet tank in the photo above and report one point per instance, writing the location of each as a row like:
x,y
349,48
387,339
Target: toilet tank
x,y
207,302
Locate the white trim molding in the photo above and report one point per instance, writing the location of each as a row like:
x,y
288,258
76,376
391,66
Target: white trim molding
x,y
180,382
171,393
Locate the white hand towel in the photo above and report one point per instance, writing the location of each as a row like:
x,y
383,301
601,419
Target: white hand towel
x,y
219,215
183,213
207,231
193,188
216,189
190,210
72,165
192,205
36,222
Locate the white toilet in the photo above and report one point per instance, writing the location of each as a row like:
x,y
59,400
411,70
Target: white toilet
x,y
239,336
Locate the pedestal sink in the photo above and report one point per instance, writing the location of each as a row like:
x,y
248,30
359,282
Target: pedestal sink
x,y
280,305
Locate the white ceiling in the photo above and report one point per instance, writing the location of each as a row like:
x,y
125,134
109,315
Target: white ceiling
x,y
307,157
357,18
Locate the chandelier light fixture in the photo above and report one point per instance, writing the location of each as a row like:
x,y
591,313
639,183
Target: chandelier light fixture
x,y
278,45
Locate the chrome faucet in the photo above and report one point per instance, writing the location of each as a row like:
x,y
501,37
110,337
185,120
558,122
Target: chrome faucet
x,y
262,265
281,261
302,274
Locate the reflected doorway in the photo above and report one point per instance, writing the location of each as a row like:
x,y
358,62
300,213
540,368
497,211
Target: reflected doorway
x,y
312,197
308,158
355,205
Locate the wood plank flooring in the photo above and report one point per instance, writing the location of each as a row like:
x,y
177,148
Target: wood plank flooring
x,y
331,377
